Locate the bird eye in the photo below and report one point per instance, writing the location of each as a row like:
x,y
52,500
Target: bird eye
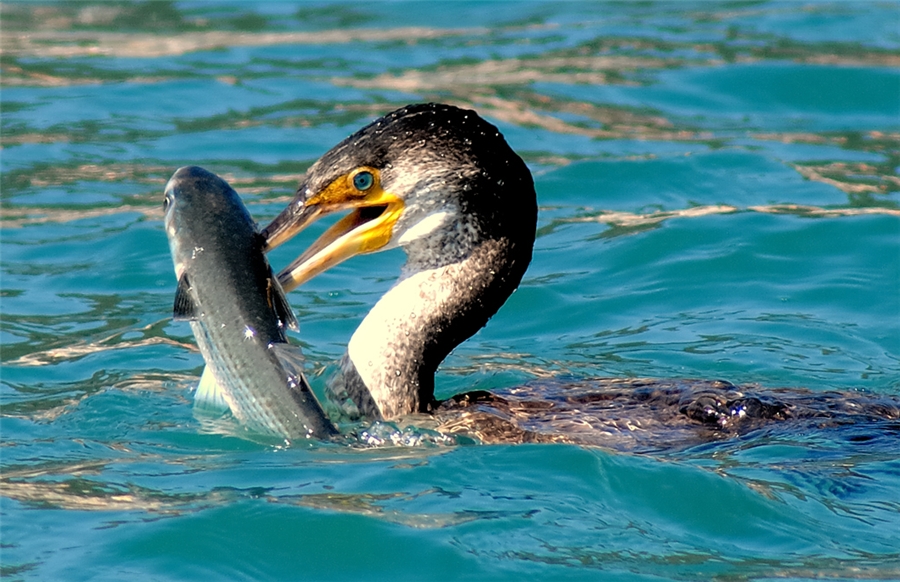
x,y
363,180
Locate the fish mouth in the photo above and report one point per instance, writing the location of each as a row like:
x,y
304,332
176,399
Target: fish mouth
x,y
184,180
170,190
367,228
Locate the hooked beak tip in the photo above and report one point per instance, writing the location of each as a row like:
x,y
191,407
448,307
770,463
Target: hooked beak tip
x,y
287,224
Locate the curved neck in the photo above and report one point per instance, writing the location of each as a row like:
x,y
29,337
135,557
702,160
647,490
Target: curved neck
x,y
392,357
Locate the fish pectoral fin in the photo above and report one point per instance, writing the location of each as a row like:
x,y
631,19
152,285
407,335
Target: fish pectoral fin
x,y
185,306
291,359
210,396
309,410
280,304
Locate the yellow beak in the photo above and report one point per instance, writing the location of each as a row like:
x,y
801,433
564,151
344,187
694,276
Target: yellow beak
x,y
368,228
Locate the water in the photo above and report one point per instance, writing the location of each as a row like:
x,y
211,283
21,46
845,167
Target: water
x,y
718,187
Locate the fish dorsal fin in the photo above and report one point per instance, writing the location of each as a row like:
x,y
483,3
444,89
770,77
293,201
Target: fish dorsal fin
x,y
280,304
210,396
185,306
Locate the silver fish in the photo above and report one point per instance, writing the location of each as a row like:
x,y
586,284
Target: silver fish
x,y
237,310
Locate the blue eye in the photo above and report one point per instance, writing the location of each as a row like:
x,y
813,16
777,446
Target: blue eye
x,y
363,180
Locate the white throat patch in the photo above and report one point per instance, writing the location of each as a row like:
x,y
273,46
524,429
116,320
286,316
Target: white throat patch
x,y
424,227
406,305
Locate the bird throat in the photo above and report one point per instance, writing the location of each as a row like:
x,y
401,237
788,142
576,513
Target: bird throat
x,y
392,357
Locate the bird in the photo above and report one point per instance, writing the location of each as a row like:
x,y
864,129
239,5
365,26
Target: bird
x,y
442,184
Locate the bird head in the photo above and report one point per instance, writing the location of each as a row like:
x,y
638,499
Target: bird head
x,y
433,179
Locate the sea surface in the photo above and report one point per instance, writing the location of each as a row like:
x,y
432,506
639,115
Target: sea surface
x,y
719,199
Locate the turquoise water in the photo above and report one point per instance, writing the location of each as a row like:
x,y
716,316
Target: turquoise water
x,y
719,197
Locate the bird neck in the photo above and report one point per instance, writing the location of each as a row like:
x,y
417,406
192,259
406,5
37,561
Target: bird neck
x,y
393,355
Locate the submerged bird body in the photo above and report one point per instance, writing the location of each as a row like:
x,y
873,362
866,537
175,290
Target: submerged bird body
x,y
443,184
237,310
660,415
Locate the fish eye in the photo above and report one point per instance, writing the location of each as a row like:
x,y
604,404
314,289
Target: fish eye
x,y
363,180
167,200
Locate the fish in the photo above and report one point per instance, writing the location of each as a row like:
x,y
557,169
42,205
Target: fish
x,y
237,310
